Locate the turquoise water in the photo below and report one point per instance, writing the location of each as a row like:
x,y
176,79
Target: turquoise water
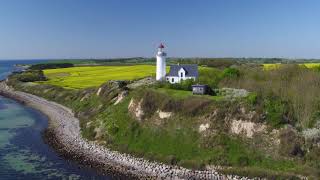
x,y
23,153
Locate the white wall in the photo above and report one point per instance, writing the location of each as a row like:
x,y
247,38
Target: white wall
x,y
177,79
172,79
181,72
161,65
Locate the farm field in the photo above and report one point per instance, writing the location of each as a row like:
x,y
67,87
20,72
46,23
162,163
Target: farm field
x,y
277,65
91,76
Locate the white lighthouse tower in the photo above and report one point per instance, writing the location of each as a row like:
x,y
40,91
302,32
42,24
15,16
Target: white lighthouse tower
x,y
161,63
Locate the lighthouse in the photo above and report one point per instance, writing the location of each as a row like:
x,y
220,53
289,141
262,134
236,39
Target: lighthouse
x,y
161,63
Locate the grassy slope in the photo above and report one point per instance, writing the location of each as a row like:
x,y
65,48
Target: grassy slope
x,y
176,139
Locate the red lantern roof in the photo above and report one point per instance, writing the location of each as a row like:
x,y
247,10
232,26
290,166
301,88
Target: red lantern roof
x,y
161,46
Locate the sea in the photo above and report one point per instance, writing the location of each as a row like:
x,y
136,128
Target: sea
x,y
23,152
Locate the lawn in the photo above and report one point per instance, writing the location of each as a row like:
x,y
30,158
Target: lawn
x,y
182,94
92,76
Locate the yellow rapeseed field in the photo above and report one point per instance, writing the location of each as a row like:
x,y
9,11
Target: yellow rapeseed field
x,y
277,65
92,76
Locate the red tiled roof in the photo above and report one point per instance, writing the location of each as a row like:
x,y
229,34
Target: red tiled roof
x,y
161,46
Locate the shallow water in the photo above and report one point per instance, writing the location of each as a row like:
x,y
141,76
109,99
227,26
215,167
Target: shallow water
x,y
23,153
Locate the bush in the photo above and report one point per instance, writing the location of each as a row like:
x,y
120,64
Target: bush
x,y
151,102
185,85
252,98
209,76
290,142
230,73
31,76
275,110
112,128
170,104
194,106
298,87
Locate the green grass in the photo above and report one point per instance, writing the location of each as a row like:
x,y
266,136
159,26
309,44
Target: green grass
x,y
159,142
178,94
179,139
93,76
182,94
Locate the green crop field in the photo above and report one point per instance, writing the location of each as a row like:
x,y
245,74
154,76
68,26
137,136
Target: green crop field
x,y
92,76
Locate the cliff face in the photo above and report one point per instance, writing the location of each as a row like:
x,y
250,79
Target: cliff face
x,y
236,120
207,118
193,132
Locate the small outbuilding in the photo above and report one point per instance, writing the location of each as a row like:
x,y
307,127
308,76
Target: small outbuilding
x,y
201,89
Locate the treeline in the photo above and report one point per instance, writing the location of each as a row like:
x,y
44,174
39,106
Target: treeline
x,y
50,66
210,62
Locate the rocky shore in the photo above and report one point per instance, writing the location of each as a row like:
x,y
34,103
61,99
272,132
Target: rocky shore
x,y
64,135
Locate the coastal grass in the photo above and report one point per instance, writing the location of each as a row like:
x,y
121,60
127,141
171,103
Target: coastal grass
x,y
93,76
175,142
178,142
290,90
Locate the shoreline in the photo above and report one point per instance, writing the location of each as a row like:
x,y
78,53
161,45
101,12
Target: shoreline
x,y
63,134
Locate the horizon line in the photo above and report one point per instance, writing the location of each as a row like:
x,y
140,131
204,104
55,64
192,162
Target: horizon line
x,y
57,59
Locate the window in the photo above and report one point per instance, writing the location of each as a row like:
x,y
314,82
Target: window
x,y
181,75
172,80
167,79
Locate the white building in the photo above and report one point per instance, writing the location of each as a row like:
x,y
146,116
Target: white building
x,y
177,72
182,72
161,64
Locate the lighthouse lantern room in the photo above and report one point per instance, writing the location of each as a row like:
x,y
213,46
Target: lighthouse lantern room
x,y
161,63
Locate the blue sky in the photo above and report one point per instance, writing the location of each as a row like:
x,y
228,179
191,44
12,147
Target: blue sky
x,y
32,29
